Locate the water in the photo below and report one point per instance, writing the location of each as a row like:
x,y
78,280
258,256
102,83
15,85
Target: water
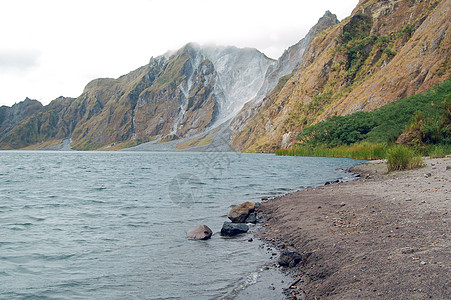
x,y
111,225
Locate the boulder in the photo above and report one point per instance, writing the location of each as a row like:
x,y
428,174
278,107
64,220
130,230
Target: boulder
x,y
289,259
231,229
252,218
239,213
201,232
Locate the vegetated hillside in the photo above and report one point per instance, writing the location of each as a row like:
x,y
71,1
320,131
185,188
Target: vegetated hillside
x,y
419,120
385,51
174,96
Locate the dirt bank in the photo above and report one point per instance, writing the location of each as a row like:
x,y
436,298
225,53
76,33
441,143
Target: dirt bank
x,y
384,236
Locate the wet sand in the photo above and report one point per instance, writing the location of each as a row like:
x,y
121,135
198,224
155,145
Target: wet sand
x,y
383,236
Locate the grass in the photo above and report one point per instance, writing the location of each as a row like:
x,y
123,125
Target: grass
x,y
398,157
367,151
403,158
439,151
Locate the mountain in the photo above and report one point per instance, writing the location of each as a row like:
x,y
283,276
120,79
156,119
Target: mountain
x,y
385,51
174,96
182,94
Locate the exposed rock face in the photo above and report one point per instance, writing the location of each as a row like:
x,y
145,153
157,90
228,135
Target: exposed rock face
x,y
232,229
201,232
288,63
385,51
240,213
28,122
11,116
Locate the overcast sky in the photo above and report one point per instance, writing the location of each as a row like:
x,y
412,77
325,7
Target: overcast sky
x,y
52,48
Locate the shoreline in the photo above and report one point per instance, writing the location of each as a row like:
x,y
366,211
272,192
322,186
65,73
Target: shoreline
x,y
382,236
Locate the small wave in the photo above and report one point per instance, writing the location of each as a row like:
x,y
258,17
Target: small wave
x,y
101,188
22,224
39,219
55,257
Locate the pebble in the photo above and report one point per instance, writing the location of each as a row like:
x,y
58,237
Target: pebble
x,y
422,263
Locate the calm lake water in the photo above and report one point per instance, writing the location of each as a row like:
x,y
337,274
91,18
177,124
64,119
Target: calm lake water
x,y
111,225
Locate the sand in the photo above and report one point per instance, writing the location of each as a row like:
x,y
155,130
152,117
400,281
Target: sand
x,y
383,236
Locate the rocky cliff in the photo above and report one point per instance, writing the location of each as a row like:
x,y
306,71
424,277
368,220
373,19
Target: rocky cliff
x,y
282,69
11,116
174,96
386,50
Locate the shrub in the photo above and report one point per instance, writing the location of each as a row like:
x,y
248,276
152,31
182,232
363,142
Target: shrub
x,y
403,158
439,151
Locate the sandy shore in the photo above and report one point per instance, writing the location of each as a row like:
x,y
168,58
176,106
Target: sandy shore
x,y
383,236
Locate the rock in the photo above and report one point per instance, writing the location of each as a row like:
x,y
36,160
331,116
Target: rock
x,y
289,259
231,229
342,204
239,213
331,182
252,218
201,232
448,168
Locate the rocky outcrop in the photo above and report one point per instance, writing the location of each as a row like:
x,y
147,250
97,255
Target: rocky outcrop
x,y
11,116
232,229
385,51
201,232
240,213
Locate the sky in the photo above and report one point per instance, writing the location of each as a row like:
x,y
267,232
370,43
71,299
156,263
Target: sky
x,y
52,48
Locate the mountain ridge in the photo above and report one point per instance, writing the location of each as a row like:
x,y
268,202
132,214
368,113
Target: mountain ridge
x,y
385,51
177,95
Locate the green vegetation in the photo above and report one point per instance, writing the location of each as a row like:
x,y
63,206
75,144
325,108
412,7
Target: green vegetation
x,y
402,158
420,123
356,151
362,49
429,113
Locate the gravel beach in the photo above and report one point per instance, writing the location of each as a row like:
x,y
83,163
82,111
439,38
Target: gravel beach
x,y
383,236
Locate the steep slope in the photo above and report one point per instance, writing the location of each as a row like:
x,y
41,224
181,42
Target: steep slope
x,y
385,51
11,116
288,63
38,124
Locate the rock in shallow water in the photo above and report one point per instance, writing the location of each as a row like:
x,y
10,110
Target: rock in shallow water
x,y
201,232
252,218
231,229
239,213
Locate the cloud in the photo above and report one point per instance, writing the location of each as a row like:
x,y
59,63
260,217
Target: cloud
x,y
18,60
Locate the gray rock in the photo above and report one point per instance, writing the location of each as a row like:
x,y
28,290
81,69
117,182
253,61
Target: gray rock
x,y
231,229
201,232
289,259
252,218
